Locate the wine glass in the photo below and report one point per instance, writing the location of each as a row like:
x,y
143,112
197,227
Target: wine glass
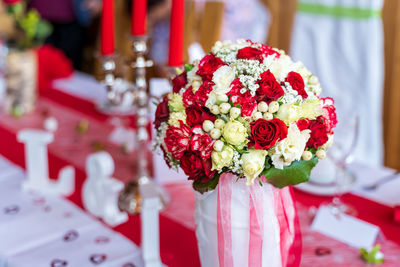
x,y
342,154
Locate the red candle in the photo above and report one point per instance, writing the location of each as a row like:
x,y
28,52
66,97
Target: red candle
x,y
138,22
107,28
175,55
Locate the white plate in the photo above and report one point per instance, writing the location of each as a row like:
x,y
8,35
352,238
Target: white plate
x,y
328,189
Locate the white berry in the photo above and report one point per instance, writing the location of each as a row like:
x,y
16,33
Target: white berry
x,y
222,98
50,124
219,124
218,145
215,110
268,116
307,155
273,107
215,133
321,154
257,115
262,106
224,108
235,112
208,125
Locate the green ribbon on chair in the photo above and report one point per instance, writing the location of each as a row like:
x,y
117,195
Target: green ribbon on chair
x,y
338,11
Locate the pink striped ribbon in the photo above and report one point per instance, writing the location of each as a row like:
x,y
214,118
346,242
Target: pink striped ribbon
x,y
224,230
256,226
290,237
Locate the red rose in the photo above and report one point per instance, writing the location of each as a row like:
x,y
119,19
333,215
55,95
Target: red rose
x,y
247,102
303,124
177,140
319,133
162,112
195,167
196,115
250,53
329,113
208,65
269,89
296,81
265,133
201,142
179,82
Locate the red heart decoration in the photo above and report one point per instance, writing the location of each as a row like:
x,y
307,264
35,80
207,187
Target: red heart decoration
x,y
98,258
58,263
102,240
12,209
71,236
322,251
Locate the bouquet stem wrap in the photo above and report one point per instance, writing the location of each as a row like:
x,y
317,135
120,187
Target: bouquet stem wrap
x,y
240,225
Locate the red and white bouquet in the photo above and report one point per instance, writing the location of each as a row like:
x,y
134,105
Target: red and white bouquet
x,y
246,109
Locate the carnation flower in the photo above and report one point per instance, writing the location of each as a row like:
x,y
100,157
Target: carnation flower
x,y
177,140
291,148
234,133
329,113
201,142
222,79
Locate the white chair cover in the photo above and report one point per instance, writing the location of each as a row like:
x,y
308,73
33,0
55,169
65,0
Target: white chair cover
x,y
341,41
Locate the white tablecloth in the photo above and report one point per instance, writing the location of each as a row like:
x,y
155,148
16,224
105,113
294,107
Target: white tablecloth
x,y
37,230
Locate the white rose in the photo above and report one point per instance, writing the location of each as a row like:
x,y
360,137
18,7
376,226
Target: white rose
x,y
253,164
234,133
309,109
291,148
221,158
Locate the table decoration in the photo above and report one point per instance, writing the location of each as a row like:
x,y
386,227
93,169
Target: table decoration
x,y
37,165
30,31
247,121
100,190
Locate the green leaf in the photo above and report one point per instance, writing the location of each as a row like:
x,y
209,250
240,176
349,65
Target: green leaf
x,y
298,172
188,67
207,186
43,30
370,256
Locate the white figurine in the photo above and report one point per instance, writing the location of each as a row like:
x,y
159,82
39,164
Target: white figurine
x,y
100,190
37,165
